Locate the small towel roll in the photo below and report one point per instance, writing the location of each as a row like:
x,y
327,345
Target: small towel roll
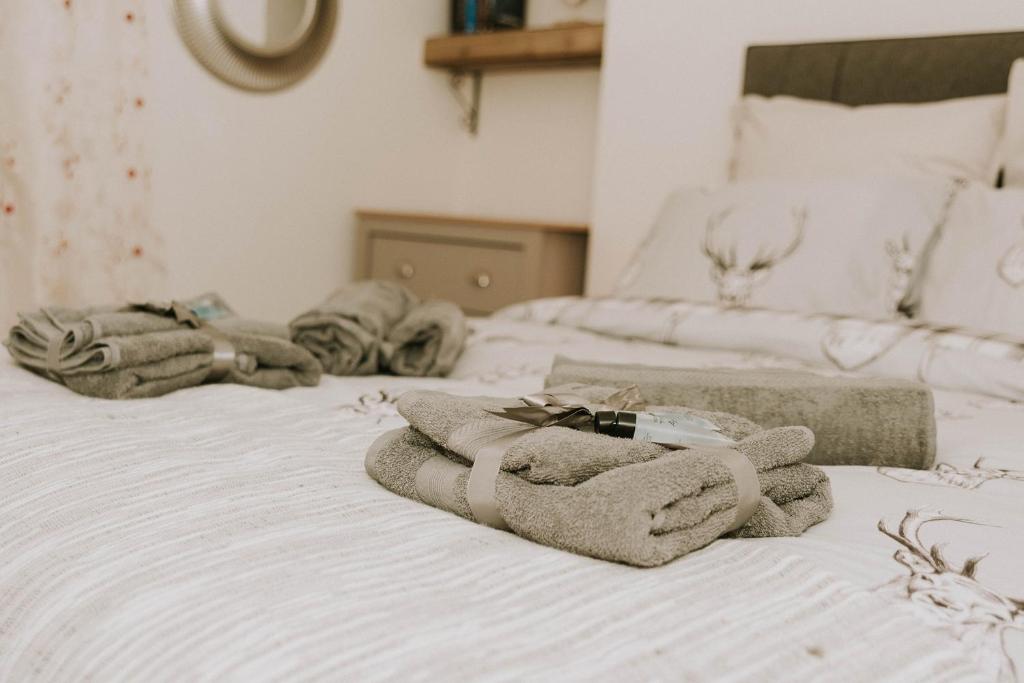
x,y
427,341
554,455
644,514
346,330
855,420
379,326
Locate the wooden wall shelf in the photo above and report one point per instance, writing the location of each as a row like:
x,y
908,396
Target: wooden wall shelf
x,y
565,45
570,45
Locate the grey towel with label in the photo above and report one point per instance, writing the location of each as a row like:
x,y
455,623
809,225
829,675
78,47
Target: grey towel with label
x,y
110,352
644,514
855,420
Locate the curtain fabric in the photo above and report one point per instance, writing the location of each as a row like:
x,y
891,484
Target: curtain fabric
x,y
75,174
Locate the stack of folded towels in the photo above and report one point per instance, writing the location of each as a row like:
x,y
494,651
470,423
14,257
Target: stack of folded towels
x,y
378,326
611,498
146,350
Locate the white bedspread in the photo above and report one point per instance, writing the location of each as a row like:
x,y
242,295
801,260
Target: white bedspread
x,y
228,533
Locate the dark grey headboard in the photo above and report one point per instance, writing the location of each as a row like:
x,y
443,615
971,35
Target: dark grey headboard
x,y
892,70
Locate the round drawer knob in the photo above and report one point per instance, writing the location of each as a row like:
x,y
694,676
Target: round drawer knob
x,y
406,271
482,280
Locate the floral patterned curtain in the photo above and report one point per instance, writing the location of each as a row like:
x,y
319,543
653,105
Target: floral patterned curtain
x,y
75,175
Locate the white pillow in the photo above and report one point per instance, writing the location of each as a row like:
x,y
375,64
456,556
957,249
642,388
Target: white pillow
x,y
1013,145
841,246
974,277
786,137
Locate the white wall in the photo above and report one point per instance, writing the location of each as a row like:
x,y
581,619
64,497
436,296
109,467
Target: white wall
x,y
533,156
255,193
672,69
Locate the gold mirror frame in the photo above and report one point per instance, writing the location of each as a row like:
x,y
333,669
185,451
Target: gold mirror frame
x,y
233,64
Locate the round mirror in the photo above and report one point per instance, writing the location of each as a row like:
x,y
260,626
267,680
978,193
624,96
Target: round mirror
x,y
257,44
269,28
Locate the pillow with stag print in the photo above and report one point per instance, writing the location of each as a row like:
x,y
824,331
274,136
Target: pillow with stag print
x,y
841,246
975,275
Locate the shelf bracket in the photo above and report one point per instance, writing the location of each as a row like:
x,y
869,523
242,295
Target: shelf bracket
x,y
470,104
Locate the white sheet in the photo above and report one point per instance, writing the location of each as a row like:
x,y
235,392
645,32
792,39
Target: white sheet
x,y
228,533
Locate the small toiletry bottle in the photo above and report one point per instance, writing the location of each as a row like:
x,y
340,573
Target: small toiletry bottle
x,y
675,430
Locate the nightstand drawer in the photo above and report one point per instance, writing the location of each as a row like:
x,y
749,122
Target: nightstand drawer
x,y
481,279
481,264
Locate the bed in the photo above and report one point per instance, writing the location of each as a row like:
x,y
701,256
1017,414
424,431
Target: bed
x,y
229,533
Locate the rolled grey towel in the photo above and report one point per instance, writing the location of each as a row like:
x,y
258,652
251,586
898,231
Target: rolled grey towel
x,y
644,514
346,331
554,455
115,353
855,420
427,341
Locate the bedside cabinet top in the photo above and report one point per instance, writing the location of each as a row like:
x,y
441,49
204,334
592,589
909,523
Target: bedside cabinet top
x,y
474,221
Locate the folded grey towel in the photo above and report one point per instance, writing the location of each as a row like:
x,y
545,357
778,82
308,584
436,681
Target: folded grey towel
x,y
427,341
110,352
345,332
643,514
856,420
554,455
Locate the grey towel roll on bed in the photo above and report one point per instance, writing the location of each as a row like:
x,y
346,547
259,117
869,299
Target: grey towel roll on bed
x,y
345,331
855,420
427,341
378,326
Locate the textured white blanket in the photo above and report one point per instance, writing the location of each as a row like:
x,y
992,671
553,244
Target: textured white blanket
x,y
228,533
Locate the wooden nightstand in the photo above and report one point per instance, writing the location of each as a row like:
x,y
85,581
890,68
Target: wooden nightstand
x,y
480,264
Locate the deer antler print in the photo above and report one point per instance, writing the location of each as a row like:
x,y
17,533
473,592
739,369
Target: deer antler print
x,y
380,404
901,272
950,596
766,259
720,260
949,475
909,536
735,283
1011,265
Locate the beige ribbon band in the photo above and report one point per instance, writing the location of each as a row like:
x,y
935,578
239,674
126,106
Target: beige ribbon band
x,y
55,346
748,486
224,356
483,479
484,442
558,400
53,349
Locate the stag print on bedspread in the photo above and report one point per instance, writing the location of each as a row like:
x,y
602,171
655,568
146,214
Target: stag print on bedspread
x,y
951,597
380,404
945,474
1011,265
901,272
851,343
736,282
